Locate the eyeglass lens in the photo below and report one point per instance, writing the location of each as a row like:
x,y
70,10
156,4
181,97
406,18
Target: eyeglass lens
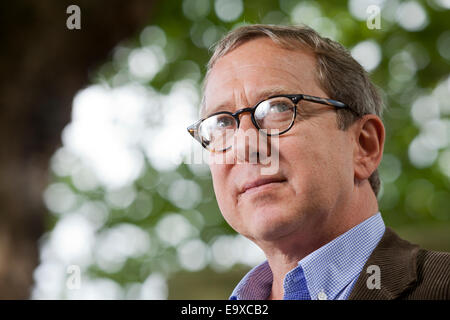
x,y
272,115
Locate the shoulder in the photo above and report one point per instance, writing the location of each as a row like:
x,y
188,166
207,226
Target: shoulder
x,y
433,275
406,271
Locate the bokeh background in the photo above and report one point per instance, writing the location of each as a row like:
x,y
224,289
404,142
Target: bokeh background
x,y
98,172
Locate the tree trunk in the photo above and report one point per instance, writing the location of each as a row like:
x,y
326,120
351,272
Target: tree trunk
x,y
43,65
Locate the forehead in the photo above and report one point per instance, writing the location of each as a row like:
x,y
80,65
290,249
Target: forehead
x,y
256,68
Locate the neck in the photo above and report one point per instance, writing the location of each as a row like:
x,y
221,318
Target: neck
x,y
284,254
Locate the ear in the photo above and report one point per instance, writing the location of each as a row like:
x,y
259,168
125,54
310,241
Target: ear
x,y
369,144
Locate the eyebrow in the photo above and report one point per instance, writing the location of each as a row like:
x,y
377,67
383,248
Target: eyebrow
x,y
263,94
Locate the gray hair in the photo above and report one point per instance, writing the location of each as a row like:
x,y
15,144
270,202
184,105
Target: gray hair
x,y
338,73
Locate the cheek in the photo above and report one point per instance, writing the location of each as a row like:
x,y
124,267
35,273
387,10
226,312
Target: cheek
x,y
317,161
221,188
217,178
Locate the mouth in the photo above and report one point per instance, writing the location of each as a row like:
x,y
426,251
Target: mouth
x,y
260,185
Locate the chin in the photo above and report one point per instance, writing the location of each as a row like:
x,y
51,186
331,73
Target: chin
x,y
270,226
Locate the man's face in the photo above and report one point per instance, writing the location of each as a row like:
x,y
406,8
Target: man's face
x,y
315,158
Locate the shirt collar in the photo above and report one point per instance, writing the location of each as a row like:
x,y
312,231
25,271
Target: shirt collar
x,y
334,266
331,269
256,285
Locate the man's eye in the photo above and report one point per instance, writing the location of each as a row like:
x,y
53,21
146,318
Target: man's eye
x,y
279,107
225,122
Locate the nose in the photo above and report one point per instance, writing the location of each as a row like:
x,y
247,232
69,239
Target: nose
x,y
249,144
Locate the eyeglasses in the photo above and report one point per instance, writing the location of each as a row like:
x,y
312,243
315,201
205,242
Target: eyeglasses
x,y
272,116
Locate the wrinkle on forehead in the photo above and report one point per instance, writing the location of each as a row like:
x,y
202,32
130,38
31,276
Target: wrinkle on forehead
x,y
239,77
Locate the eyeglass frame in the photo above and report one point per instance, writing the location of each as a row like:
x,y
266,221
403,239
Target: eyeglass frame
x,y
295,98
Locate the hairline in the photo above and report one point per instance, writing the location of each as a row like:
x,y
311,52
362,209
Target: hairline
x,y
278,40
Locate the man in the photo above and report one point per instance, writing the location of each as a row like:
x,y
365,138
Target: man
x,y
316,217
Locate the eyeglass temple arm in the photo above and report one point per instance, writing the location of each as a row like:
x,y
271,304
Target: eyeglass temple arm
x,y
325,101
193,131
329,102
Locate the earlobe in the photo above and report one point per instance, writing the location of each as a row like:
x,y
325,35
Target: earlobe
x,y
369,144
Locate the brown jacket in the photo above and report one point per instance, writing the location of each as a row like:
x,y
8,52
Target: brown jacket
x,y
406,272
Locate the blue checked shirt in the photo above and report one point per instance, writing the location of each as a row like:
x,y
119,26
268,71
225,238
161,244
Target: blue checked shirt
x,y
330,272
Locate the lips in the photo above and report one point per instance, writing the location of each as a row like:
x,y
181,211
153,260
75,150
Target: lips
x,y
259,182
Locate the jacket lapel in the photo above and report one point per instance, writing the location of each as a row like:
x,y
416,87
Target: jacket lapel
x,y
397,260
